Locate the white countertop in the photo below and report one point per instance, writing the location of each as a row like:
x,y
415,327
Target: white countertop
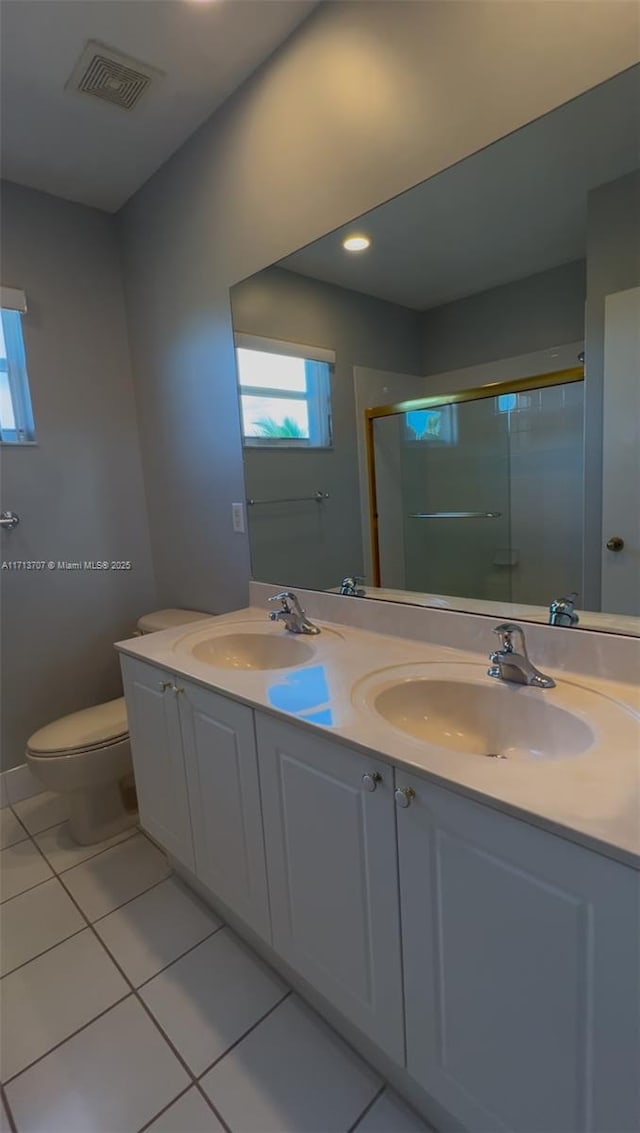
x,y
592,798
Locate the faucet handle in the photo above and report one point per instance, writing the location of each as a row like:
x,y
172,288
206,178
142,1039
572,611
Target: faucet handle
x,y
506,632
285,597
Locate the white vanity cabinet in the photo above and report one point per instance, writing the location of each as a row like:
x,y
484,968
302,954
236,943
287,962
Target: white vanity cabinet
x,y
495,963
194,758
521,970
224,795
158,759
330,838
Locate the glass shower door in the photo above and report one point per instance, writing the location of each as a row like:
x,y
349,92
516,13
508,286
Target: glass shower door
x,y
455,490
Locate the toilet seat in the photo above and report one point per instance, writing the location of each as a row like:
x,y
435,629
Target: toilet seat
x,y
91,729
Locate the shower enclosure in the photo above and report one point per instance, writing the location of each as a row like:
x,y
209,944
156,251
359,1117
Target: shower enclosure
x,y
479,494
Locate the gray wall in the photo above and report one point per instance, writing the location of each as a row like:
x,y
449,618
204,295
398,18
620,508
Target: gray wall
x,y
365,100
310,544
546,309
79,491
613,264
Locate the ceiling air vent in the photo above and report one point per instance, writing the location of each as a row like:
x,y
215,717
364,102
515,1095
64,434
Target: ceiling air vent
x,y
105,73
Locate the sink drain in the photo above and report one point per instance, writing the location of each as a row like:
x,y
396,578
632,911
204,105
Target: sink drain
x,y
493,755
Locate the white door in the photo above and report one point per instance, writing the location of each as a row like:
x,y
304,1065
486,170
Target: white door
x,y
222,773
621,454
521,970
332,868
158,761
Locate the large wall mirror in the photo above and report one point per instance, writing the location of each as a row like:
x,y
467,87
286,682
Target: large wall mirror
x,y
443,397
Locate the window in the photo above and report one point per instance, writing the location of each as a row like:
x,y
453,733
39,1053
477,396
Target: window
x,y
284,397
16,415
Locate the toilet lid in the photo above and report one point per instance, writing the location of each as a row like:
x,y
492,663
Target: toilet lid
x,y
91,727
168,619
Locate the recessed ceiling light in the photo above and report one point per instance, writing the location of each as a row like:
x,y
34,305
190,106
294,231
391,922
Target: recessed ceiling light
x,y
356,243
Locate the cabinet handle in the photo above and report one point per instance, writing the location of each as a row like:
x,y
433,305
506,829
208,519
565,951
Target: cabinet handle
x,y
371,779
177,688
164,685
404,795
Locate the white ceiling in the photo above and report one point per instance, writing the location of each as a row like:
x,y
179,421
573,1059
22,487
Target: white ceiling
x,y
89,151
514,209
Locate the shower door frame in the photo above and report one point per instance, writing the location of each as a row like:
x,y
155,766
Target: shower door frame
x,y
491,389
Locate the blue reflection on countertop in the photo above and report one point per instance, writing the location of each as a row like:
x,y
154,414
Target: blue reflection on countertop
x,y
304,693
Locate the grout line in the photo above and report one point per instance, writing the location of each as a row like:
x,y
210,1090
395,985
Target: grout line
x,y
28,888
66,1039
7,1109
37,956
217,1113
244,1035
18,842
366,1109
165,1108
103,916
5,900
176,958
91,857
32,833
20,823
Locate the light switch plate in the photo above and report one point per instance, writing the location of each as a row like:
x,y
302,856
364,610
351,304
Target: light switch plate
x,y
237,518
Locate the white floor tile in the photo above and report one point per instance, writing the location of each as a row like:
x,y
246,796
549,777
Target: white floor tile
x,y
190,1114
115,876
11,830
21,866
210,997
390,1115
62,852
156,928
42,811
115,1075
292,1074
34,921
51,997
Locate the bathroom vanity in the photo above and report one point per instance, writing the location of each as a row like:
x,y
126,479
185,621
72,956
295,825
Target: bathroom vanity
x,y
473,919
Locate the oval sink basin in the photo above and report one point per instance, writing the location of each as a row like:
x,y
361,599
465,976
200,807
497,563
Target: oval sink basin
x,y
252,651
482,720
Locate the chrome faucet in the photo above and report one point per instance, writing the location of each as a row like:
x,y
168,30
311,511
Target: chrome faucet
x,y
562,611
349,586
509,665
291,613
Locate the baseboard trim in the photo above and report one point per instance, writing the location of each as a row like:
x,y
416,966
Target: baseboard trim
x,y
18,783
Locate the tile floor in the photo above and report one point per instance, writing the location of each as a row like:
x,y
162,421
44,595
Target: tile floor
x,y
126,1004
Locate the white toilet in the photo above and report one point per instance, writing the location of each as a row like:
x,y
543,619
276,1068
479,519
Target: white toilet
x,y
87,756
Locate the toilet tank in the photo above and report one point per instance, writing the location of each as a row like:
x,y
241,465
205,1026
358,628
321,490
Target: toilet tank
x,y
168,619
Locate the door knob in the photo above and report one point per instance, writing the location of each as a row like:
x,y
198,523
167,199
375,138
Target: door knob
x,y
371,779
404,795
615,543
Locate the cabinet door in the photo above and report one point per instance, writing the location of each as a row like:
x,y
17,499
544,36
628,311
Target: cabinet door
x,y
158,761
224,794
332,867
521,970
